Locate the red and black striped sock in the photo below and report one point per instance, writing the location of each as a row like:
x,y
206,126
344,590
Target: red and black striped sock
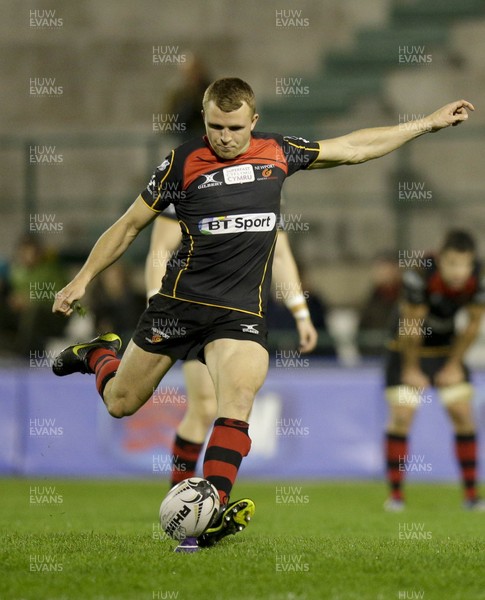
x,y
396,452
104,364
184,459
228,444
466,453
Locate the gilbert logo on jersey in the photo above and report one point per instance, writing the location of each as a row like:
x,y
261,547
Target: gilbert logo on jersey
x,y
238,223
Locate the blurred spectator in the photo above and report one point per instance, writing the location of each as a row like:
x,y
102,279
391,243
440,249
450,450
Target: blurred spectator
x,y
114,302
377,312
7,318
185,100
29,285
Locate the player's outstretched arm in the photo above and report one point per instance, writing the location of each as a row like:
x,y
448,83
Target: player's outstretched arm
x,y
285,275
109,247
367,144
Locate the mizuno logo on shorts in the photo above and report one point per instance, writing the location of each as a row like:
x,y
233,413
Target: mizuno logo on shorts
x,y
237,223
249,328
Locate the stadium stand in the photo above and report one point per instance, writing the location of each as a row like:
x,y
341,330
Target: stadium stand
x,y
348,57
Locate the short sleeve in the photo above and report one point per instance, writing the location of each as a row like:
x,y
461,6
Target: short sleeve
x,y
299,153
414,287
164,187
169,213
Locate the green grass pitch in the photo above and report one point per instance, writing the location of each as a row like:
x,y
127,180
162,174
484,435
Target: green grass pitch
x,y
97,540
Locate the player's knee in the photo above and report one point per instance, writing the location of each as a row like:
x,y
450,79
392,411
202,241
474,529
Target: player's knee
x,y
401,421
403,401
458,395
457,401
462,418
399,426
119,407
403,397
116,410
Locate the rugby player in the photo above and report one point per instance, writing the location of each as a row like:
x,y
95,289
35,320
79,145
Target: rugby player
x,y
225,188
427,350
201,399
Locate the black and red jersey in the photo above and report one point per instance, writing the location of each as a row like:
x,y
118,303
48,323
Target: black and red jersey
x,y
228,211
426,286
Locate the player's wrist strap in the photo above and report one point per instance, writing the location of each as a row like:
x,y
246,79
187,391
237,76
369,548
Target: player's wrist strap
x,y
298,306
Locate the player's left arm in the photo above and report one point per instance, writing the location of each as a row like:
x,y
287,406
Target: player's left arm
x,y
366,144
452,371
285,275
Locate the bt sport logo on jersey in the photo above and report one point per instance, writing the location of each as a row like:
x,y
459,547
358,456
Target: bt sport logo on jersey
x,y
256,222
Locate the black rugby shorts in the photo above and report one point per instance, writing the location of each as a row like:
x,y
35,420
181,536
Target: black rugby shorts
x,y
182,329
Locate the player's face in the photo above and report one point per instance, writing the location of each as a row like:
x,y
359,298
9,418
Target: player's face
x,y
455,267
229,133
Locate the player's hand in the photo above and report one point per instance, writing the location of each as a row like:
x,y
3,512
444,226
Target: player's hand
x,y
451,114
308,335
414,377
450,374
66,298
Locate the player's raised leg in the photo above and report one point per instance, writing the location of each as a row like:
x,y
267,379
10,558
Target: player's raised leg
x,y
124,384
138,375
199,416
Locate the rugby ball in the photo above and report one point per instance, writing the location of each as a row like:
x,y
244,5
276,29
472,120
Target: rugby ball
x,y
188,508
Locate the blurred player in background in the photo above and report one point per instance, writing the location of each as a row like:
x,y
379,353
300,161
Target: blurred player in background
x,y
377,313
183,100
226,190
202,402
429,351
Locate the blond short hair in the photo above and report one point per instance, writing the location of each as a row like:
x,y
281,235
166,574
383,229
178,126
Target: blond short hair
x,y
229,93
